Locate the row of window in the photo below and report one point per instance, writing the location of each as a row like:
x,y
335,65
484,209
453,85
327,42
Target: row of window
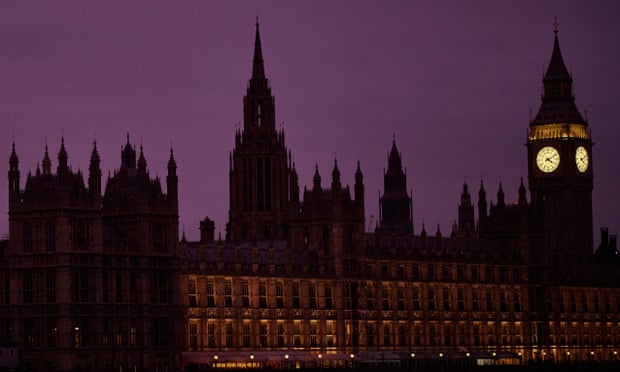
x,y
433,271
583,301
80,236
119,287
372,296
44,333
212,333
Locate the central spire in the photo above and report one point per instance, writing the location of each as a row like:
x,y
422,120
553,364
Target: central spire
x,y
258,69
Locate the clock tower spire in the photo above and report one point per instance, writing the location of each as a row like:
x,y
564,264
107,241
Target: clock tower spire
x,y
560,169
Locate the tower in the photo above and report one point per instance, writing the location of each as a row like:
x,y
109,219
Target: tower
x,y
466,211
559,151
259,171
395,204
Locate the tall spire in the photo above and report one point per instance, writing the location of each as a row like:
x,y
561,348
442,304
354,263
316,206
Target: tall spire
x,y
94,176
558,101
557,70
258,69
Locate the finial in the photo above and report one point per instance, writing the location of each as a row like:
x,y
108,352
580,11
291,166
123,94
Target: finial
x,y
256,21
555,25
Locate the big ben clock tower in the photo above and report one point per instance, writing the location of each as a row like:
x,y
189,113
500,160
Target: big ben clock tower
x,y
559,150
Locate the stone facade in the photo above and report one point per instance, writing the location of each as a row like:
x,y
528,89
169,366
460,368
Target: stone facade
x,y
91,282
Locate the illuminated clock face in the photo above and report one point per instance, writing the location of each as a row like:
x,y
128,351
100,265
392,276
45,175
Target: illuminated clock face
x,y
581,159
548,159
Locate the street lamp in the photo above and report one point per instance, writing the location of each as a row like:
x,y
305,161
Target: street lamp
x,y
251,360
352,356
320,361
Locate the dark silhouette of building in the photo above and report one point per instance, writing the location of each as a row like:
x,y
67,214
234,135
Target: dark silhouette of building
x,y
91,283
96,282
495,291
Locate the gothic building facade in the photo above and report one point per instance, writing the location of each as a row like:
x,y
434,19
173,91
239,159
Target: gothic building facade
x,y
101,281
91,281
519,284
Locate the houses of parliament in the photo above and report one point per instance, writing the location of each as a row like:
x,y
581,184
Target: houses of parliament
x,y
96,277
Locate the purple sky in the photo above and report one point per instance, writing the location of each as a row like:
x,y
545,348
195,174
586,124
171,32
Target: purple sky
x,y
454,82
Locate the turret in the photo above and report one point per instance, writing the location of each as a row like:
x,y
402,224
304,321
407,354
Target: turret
x,y
482,205
13,178
128,156
500,197
359,189
63,167
316,180
46,163
466,211
94,177
143,179
172,182
395,213
336,186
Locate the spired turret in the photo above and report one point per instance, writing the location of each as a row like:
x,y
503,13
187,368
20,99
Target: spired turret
x,y
466,211
395,204
172,182
13,177
94,176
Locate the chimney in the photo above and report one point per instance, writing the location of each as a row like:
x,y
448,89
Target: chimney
x,y
207,231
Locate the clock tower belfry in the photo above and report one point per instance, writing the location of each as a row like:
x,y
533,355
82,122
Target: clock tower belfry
x,y
559,150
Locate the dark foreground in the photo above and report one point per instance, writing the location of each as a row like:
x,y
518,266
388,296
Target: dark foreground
x,y
584,367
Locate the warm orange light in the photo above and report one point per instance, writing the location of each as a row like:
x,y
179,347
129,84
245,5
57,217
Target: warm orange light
x,y
559,130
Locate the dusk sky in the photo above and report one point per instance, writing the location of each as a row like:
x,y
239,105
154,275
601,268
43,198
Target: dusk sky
x,y
453,81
